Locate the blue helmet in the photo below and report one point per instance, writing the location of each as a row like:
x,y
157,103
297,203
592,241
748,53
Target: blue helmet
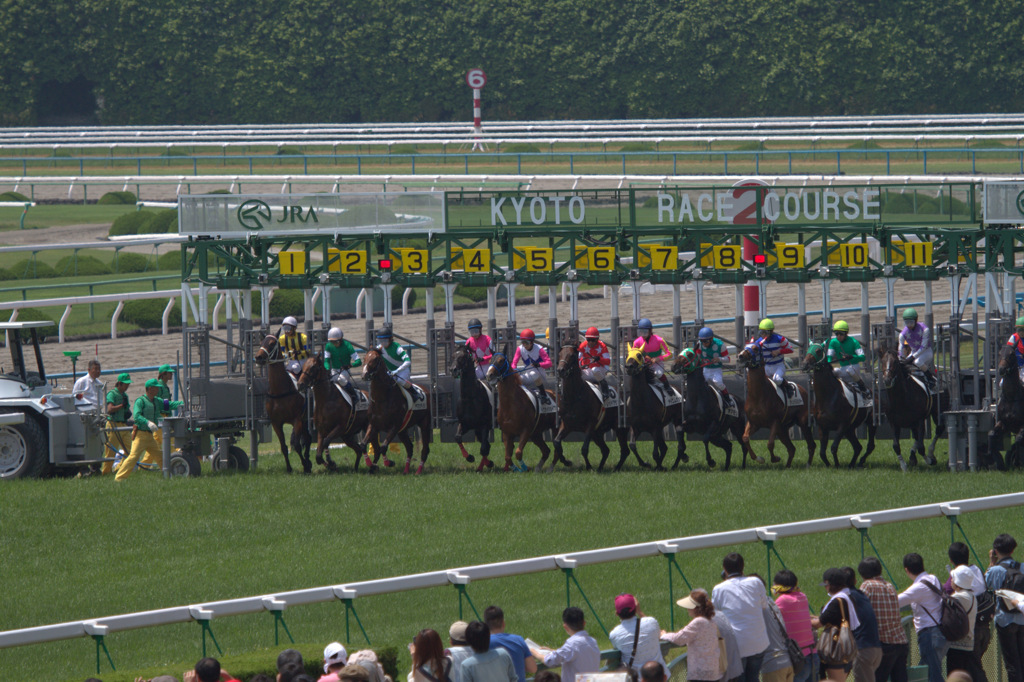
x,y
645,324
705,333
384,332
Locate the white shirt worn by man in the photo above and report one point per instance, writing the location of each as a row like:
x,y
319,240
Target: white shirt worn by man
x,y
923,601
91,391
579,654
647,649
742,599
458,654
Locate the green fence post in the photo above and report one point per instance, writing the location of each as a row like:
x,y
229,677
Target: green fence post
x,y
568,565
276,608
862,525
346,596
768,538
203,617
460,581
983,565
669,552
98,632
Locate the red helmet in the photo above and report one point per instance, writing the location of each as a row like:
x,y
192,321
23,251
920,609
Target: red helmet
x,y
593,333
527,334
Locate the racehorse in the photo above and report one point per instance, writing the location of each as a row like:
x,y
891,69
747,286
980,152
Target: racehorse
x,y
704,413
518,415
391,414
1009,411
285,404
647,413
580,409
333,417
908,405
474,411
833,411
765,409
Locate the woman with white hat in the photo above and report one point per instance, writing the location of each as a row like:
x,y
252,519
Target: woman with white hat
x,y
700,637
961,652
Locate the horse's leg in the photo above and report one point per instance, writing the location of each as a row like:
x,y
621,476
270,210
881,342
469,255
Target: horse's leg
x,y
483,436
788,443
632,449
298,426
896,447
660,449
995,440
350,440
745,440
557,442
588,436
507,438
823,451
773,433
458,439
538,440
621,434
279,430
681,456
521,446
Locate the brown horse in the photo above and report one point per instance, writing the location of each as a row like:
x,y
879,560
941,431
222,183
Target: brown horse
x,y
333,418
390,413
579,409
473,411
765,409
284,404
518,418
646,413
1009,413
833,412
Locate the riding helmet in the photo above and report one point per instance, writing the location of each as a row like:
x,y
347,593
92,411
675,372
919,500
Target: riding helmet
x,y
335,335
475,324
384,332
527,335
841,326
909,314
290,322
645,324
766,325
1019,322
593,333
705,333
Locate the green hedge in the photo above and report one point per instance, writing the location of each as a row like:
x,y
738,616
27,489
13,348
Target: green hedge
x,y
163,222
520,148
125,262
35,315
637,147
82,265
170,261
13,196
148,313
27,269
118,198
130,223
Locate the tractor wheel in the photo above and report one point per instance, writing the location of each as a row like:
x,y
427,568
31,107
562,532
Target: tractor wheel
x,y
184,464
23,451
236,460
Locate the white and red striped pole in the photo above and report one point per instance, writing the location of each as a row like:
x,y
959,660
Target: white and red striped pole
x,y
477,79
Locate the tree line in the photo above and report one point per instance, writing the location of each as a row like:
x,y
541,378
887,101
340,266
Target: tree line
x,y
292,61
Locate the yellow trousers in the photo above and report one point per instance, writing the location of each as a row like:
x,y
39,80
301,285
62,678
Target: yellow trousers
x,y
116,440
144,442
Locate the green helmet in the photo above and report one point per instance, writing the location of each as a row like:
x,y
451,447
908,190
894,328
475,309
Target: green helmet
x,y
1019,322
909,314
766,325
841,326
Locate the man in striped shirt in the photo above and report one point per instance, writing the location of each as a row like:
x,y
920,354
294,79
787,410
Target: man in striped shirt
x,y
895,647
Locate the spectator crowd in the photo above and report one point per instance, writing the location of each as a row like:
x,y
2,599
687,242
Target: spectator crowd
x,y
741,631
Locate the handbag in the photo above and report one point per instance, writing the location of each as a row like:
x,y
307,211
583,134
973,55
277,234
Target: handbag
x,y
796,654
723,656
836,645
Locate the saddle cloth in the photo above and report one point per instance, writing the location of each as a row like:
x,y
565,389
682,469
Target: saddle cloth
x,y
857,399
792,400
673,397
362,403
416,399
728,407
920,381
613,396
542,408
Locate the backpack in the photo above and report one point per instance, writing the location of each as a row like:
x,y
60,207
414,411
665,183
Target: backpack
x,y
986,607
953,622
1013,581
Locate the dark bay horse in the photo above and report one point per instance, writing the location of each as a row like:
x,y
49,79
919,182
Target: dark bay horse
x,y
473,411
518,417
704,415
390,413
832,411
284,404
333,417
581,410
765,409
1009,412
646,412
907,405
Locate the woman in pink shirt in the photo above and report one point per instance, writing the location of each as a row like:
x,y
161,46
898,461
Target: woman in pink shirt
x,y
700,637
796,614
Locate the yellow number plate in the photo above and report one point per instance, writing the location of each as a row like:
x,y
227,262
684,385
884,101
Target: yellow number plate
x,y
728,257
346,262
601,257
853,255
789,255
412,260
292,262
658,257
535,259
914,254
471,260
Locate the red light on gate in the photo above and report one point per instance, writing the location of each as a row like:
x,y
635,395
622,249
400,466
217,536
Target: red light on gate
x,y
760,259
384,264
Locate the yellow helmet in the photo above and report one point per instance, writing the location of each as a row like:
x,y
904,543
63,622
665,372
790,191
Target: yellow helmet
x,y
766,325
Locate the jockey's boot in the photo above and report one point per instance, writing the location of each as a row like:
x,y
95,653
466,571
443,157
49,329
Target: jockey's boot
x,y
351,390
930,380
542,395
603,385
863,388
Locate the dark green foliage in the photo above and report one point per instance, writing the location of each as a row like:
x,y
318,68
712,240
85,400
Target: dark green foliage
x,y
125,262
35,315
284,303
289,151
170,261
13,196
396,298
118,198
162,222
219,191
148,313
476,294
130,223
29,269
520,148
82,265
174,151
6,275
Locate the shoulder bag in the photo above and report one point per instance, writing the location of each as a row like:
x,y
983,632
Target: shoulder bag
x,y
836,645
796,654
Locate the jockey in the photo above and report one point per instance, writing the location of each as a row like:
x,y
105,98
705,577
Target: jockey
x,y
594,358
1017,342
534,358
654,349
480,344
712,353
294,345
339,357
847,351
916,343
773,348
395,358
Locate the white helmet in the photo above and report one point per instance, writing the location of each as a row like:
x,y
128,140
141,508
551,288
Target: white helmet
x,y
290,322
335,334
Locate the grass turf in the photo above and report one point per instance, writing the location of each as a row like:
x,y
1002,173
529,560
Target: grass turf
x,y
87,548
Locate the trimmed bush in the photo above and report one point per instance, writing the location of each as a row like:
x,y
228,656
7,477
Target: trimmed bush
x,y
13,196
284,303
163,221
396,298
520,148
170,261
125,262
116,198
148,313
751,146
174,151
27,269
219,191
475,294
70,266
288,151
6,275
130,223
36,315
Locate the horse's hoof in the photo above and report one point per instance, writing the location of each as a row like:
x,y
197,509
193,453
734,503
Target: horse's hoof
x,y
332,467
372,469
490,464
419,469
508,468
759,460
405,469
388,462
711,464
775,460
470,458
369,463
931,460
644,465
684,458
569,464
320,460
660,468
912,461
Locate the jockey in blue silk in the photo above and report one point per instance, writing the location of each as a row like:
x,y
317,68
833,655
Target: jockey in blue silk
x,y
774,348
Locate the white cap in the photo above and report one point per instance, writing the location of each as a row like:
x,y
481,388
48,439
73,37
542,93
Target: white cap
x,y
334,335
290,322
334,654
962,577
